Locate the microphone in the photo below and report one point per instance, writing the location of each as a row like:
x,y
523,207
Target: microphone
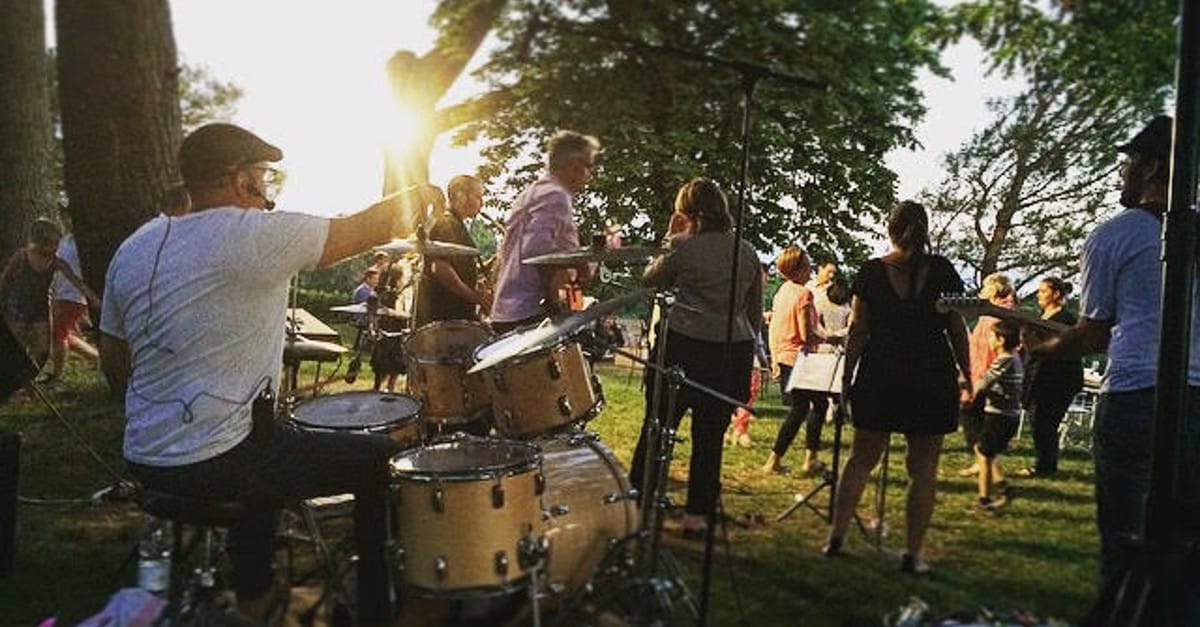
x,y
268,204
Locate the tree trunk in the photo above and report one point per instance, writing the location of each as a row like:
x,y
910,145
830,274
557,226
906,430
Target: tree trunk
x,y
27,184
418,83
118,91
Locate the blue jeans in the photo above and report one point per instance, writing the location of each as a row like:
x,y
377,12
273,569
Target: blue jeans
x,y
1122,445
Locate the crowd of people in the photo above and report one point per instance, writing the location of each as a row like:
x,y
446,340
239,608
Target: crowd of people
x,y
195,429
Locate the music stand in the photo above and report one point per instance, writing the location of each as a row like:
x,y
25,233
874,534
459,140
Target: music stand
x,y
824,376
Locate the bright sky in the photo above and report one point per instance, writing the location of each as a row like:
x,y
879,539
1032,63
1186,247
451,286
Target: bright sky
x,y
313,81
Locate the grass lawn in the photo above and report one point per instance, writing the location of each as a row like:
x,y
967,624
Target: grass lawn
x,y
1039,554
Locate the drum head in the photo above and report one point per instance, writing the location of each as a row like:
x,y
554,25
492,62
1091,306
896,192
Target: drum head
x,y
355,411
506,344
466,458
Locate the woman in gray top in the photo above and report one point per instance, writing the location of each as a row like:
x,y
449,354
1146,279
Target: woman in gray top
x,y
698,268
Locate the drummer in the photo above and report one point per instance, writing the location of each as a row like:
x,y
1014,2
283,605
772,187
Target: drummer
x,y
195,350
450,291
542,222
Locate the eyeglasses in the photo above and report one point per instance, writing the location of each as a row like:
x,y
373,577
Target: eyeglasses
x,y
270,176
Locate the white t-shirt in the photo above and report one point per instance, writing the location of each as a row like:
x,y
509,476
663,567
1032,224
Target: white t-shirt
x,y
201,300
1121,270
60,286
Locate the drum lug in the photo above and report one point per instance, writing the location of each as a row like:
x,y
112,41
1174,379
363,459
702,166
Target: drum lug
x,y
439,500
398,558
497,496
531,550
439,567
559,510
613,497
564,405
498,380
506,417
501,561
539,484
555,368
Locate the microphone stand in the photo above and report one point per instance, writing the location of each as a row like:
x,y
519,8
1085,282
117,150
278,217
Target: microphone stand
x,y
751,74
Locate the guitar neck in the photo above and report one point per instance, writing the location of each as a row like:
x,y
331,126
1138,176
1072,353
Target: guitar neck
x,y
985,308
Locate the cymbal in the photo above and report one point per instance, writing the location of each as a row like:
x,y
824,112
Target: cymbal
x,y
592,254
549,333
300,348
430,248
361,308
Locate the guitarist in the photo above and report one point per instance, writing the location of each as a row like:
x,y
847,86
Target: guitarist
x,y
1119,311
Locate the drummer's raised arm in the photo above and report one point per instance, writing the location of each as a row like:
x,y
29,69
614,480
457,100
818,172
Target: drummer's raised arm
x,y
393,216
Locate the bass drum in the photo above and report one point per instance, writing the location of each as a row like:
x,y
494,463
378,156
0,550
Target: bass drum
x,y
589,497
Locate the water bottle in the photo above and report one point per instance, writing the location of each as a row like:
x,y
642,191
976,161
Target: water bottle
x,y
154,556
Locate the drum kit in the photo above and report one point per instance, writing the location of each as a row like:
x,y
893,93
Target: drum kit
x,y
498,489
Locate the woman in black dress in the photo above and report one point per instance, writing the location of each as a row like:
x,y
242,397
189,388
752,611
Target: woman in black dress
x,y
1050,384
908,357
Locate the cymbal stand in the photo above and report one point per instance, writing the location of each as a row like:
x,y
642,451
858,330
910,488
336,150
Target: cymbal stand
x,y
364,337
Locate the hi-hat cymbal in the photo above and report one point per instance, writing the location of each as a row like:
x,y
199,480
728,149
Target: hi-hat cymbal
x,y
299,348
430,248
550,332
592,254
361,308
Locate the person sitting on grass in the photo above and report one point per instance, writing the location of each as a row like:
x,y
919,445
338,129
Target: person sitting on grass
x,y
1001,390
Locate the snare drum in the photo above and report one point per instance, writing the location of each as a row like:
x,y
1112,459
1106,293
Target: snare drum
x,y
468,515
536,393
395,415
439,355
591,504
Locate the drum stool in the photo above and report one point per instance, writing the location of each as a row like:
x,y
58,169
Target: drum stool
x,y
210,521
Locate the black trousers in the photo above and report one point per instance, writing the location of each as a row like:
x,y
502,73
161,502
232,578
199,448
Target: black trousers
x,y
290,466
702,362
1048,408
808,408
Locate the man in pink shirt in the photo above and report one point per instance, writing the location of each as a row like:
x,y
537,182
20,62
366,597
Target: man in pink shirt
x,y
542,222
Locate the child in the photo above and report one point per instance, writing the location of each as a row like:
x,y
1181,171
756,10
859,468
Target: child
x,y
1001,390
25,288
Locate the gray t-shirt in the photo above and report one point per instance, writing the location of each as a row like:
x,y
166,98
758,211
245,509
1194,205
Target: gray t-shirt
x,y
1122,283
1001,386
201,300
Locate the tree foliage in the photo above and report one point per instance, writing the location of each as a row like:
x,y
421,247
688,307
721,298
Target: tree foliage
x,y
204,98
624,70
1022,193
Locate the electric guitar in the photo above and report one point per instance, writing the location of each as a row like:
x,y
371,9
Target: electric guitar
x,y
981,306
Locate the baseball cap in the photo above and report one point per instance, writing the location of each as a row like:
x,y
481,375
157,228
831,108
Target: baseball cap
x,y
1152,141
213,150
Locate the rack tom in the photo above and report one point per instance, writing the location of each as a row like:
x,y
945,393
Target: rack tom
x,y
468,515
539,392
439,354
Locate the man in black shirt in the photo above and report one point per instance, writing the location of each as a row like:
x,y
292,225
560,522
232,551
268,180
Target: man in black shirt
x,y
449,291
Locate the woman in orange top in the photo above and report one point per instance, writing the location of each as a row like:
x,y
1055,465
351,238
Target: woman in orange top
x,y
794,331
997,289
